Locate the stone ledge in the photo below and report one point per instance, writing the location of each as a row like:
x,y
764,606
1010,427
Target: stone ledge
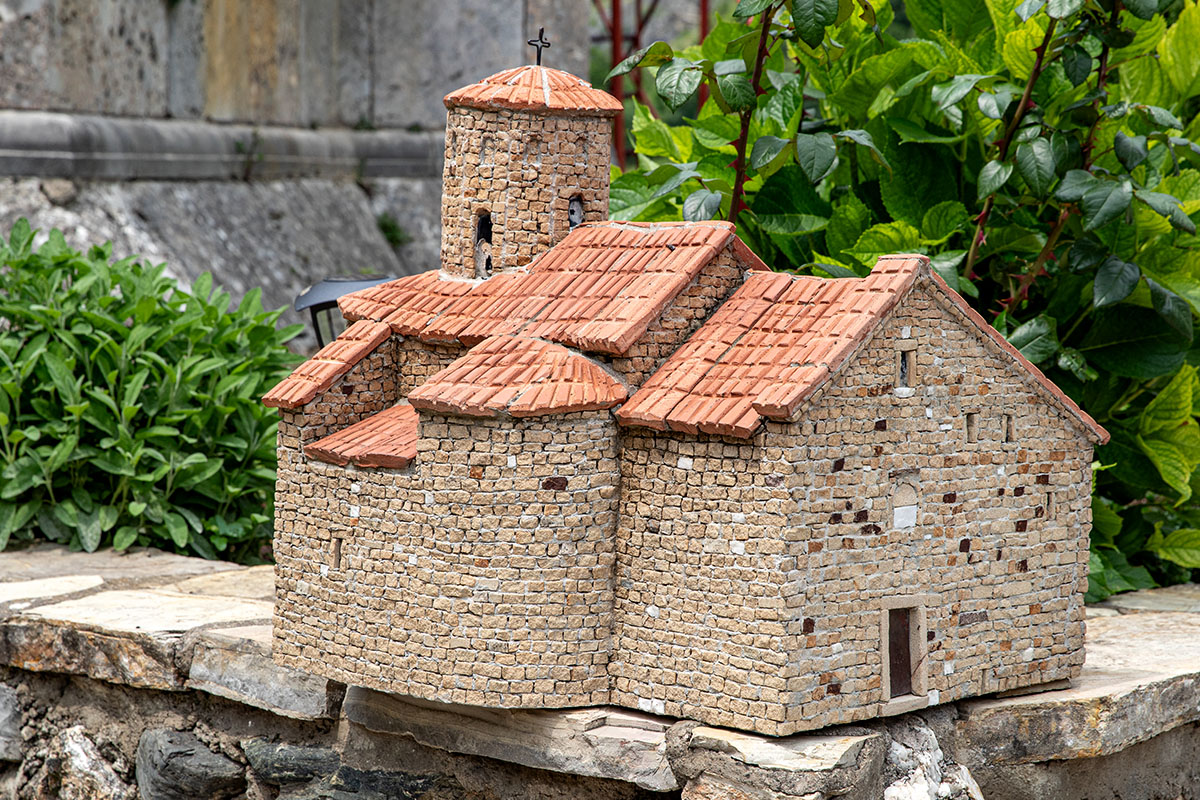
x,y
152,620
87,147
1141,678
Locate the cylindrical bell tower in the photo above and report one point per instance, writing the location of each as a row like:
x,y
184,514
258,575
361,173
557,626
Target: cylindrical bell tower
x,y
527,159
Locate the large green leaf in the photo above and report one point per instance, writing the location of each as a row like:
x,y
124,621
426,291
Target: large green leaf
x,y
748,8
1172,406
1115,280
884,239
1060,9
1169,207
701,204
1104,202
1036,339
787,204
736,90
993,175
652,137
949,93
1077,63
850,218
1133,342
652,56
765,150
943,220
811,18
1172,308
1130,150
1181,546
1035,163
1178,53
1172,463
816,153
677,81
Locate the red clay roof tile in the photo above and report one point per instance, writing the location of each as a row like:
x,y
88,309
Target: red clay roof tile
x,y
536,88
387,439
597,290
781,338
777,340
519,376
330,362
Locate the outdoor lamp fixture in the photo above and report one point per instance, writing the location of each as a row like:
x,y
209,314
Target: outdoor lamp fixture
x,y
321,299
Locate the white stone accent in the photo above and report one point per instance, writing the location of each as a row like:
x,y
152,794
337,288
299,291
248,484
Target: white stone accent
x,y
685,462
904,517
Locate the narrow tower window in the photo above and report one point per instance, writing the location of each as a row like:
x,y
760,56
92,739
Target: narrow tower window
x,y
972,426
335,552
1008,428
574,211
483,246
905,368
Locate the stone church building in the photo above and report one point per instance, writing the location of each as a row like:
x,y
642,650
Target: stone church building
x,y
608,463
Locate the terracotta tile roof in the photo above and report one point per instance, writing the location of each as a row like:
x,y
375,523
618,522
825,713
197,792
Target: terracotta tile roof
x,y
776,341
386,439
598,290
766,350
1098,434
519,376
327,365
535,88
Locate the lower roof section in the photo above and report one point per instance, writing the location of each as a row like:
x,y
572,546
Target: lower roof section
x,y
521,377
387,439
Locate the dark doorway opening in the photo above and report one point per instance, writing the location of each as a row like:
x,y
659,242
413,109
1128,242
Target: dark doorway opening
x,y
900,666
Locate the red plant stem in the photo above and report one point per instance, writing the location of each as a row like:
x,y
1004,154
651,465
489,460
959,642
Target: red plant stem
x,y
1006,141
1029,277
617,86
760,57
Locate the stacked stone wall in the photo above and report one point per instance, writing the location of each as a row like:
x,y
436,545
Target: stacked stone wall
x,y
417,361
801,534
480,575
522,169
369,387
687,312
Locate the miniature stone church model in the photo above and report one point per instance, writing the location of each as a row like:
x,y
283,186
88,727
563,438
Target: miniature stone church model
x,y
611,463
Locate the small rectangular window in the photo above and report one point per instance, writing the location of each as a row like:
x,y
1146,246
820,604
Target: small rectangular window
x,y
335,552
972,426
1009,435
904,369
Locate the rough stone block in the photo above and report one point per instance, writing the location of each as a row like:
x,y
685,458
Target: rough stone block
x,y
236,663
173,765
597,742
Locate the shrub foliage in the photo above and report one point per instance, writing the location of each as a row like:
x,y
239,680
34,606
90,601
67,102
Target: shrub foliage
x,y
1042,153
129,407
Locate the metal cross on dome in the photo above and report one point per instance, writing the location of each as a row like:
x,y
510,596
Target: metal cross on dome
x,y
540,42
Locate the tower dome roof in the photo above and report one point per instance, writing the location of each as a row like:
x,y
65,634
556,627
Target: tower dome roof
x,y
536,88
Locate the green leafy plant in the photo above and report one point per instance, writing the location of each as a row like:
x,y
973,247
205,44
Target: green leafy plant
x,y
393,233
1042,153
129,407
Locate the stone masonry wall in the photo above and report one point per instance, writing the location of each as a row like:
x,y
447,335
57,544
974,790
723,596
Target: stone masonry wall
x,y
522,169
807,530
509,607
417,361
367,388
687,312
